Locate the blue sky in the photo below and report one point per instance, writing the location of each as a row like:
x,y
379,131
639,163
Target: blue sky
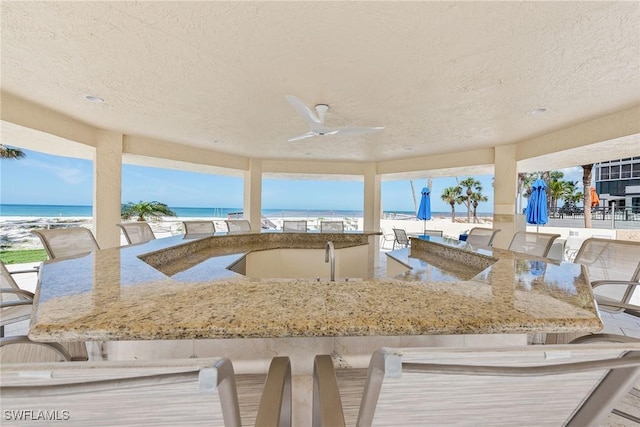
x,y
52,180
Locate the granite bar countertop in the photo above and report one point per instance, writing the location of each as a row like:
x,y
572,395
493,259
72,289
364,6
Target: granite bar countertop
x,y
134,293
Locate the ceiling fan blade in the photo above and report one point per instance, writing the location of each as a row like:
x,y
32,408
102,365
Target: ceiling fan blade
x,y
356,131
303,136
303,110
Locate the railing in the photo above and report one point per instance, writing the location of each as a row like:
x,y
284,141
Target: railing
x,y
398,216
599,213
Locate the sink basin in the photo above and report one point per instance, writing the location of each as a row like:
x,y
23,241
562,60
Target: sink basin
x,y
303,263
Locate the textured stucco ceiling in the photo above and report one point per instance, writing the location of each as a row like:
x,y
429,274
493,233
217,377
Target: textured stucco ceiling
x,y
440,76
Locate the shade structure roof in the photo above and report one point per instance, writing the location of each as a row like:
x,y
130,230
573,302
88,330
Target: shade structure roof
x,y
441,77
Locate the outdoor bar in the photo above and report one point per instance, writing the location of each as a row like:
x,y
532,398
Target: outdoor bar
x,y
243,90
441,292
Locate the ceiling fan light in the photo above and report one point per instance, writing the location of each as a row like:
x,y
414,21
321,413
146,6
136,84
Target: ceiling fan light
x,y
322,108
317,125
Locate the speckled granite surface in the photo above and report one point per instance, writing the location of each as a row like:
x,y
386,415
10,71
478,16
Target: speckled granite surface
x,y
452,289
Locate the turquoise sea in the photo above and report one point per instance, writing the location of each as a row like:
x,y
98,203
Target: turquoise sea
x,y
81,211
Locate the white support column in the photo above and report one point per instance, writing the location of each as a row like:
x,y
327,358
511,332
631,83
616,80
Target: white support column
x,y
372,199
505,194
252,204
371,210
107,187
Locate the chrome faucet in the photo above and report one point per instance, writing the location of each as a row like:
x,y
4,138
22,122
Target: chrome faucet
x,y
330,255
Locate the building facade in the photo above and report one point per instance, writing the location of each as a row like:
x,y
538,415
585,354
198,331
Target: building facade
x,y
619,181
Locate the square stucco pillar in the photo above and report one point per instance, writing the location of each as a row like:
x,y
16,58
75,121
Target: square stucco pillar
x,y
371,210
107,190
252,202
505,193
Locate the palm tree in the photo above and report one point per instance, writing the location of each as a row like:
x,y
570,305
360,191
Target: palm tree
x,y
546,177
476,198
7,152
470,183
413,193
142,209
586,183
450,195
525,180
570,193
574,198
556,175
556,190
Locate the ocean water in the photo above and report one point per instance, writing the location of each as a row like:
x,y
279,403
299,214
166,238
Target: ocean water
x,y
82,211
46,211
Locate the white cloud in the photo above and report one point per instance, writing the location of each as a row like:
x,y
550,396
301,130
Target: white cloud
x,y
70,175
573,174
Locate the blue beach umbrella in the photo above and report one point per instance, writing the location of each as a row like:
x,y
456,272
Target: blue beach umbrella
x,y
536,211
424,212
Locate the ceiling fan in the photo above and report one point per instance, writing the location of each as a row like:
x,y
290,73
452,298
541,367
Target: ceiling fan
x,y
316,122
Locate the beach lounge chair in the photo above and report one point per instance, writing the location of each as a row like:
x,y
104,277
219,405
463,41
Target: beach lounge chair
x,y
479,236
15,306
537,244
199,227
137,232
20,349
613,266
235,225
67,242
327,406
15,303
435,233
174,392
386,237
294,226
177,392
572,385
332,226
276,402
401,238
634,394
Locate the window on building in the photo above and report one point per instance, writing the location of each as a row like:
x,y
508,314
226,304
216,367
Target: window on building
x,y
636,171
604,173
615,172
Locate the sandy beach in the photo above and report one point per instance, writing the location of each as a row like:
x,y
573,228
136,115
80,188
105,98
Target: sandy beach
x,y
16,230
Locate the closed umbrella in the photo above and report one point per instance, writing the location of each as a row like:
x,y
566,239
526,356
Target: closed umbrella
x,y
424,212
595,200
536,211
